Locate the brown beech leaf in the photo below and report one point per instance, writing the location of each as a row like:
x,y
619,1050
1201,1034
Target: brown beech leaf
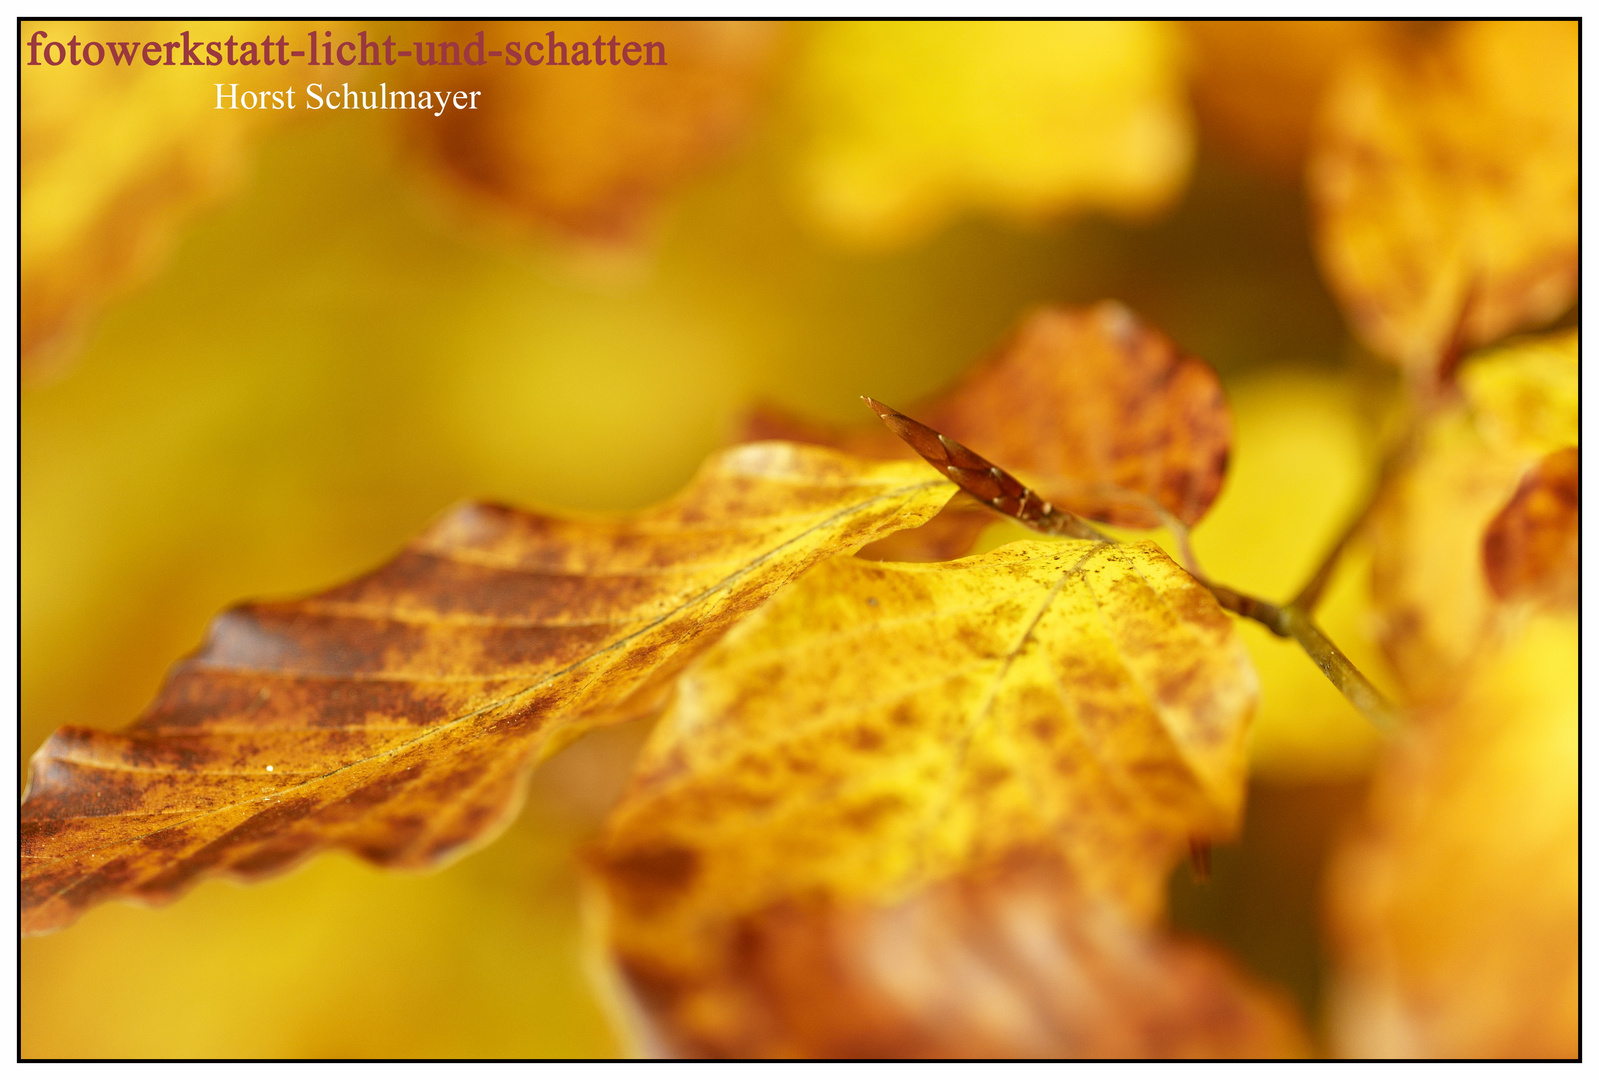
x,y
1530,548
1430,581
592,149
1093,410
1009,962
397,715
1455,908
1444,176
885,729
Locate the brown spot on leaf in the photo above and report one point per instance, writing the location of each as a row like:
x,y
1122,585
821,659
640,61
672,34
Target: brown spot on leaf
x,y
1531,546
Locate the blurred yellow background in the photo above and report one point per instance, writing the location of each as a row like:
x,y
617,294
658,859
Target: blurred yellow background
x,y
329,351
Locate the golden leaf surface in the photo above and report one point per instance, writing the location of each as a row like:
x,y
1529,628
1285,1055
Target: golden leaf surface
x,y
592,149
112,158
906,124
1517,404
885,729
396,716
1445,179
1089,407
1455,909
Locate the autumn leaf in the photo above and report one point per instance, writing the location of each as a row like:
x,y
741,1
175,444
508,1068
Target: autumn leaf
x,y
1010,962
905,124
881,737
1092,409
397,715
1455,907
1431,588
1445,179
112,159
587,151
1257,82
1530,548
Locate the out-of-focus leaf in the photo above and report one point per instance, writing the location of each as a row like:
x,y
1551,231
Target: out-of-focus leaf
x,y
1444,176
906,124
1455,910
1012,961
397,715
1089,407
1517,404
1530,549
112,158
592,150
855,759
1257,83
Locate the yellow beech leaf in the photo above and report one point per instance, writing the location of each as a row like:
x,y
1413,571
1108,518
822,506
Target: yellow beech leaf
x,y
1455,908
112,158
397,715
1444,177
1517,404
592,148
907,123
885,731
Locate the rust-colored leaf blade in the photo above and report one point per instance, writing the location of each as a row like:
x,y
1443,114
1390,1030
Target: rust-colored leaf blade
x,y
1093,410
1009,962
1530,548
1444,175
885,729
396,716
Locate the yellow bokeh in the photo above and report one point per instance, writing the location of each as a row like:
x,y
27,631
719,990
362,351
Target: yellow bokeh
x,y
270,352
909,123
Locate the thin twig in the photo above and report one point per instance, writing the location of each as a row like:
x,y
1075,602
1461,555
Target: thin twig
x,y
1294,622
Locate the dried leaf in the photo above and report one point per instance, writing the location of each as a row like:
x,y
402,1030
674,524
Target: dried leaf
x,y
1455,909
1011,962
112,158
1530,548
885,729
1089,407
397,715
592,149
1445,180
908,123
1432,592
